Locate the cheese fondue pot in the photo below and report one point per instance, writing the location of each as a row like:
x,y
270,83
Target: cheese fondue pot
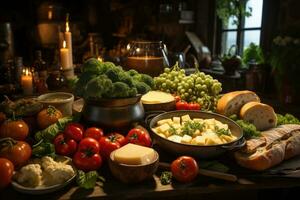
x,y
205,151
113,113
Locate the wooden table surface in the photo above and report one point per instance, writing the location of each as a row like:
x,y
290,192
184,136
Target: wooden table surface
x,y
152,189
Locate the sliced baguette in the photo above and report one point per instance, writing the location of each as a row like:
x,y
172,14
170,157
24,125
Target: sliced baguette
x,y
262,116
284,145
231,103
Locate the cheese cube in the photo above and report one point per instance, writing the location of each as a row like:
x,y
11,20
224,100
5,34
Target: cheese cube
x,y
199,140
132,154
161,122
198,120
176,120
163,128
185,118
186,139
175,138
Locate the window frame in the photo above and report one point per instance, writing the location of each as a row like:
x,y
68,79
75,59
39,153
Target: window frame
x,y
240,31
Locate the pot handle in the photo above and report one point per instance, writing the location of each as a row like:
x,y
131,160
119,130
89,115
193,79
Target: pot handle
x,y
237,145
151,114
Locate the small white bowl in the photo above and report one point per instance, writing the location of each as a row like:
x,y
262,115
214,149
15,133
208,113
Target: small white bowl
x,y
61,100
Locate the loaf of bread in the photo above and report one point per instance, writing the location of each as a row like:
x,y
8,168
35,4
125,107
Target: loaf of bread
x,y
262,116
274,146
231,103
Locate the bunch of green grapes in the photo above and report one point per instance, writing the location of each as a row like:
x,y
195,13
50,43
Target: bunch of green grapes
x,y
197,87
169,80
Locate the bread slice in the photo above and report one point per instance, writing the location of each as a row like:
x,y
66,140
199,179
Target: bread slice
x,y
231,103
262,116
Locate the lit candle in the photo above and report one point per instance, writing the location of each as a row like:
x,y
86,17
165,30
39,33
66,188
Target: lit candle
x,y
100,59
64,57
26,82
68,38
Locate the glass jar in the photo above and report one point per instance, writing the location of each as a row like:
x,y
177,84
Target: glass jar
x,y
56,81
147,57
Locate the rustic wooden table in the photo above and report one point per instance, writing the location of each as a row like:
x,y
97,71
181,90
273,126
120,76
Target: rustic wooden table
x,y
205,188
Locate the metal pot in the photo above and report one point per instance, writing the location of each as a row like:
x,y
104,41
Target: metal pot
x,y
208,151
113,113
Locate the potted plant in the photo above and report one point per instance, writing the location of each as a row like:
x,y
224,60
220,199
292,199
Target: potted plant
x,y
285,62
231,61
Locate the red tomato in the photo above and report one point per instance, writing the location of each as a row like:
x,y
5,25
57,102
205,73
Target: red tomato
x,y
184,169
117,137
74,131
177,98
89,146
15,129
181,105
108,144
18,152
93,132
63,146
194,106
6,172
138,136
87,162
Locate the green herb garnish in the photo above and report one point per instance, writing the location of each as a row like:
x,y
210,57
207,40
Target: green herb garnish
x,y
172,130
287,119
222,131
166,178
190,127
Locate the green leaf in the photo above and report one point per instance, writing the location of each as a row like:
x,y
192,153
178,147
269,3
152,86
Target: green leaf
x,y
43,149
214,166
89,180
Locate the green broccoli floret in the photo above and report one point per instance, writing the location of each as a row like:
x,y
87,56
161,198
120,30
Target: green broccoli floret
x,y
92,65
132,72
120,90
98,87
113,74
125,78
142,87
147,79
133,92
82,81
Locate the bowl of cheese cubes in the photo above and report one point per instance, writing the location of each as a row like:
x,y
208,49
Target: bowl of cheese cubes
x,y
133,163
196,133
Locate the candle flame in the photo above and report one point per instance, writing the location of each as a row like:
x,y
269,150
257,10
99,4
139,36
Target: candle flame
x,y
64,44
27,72
50,13
67,23
67,27
100,59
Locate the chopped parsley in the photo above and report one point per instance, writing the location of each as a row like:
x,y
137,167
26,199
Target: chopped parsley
x,y
222,131
172,130
190,127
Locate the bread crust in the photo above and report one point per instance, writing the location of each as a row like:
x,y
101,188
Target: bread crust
x,y
227,98
269,156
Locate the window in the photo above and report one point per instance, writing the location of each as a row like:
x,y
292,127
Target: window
x,y
248,31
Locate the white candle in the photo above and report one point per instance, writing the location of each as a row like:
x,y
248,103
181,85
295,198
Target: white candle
x,y
68,38
64,57
26,82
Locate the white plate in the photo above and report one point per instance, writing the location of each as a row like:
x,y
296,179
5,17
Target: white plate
x,y
44,189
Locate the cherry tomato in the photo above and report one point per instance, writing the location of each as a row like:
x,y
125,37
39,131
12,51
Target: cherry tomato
x,y
15,129
184,169
177,98
110,143
194,106
89,146
87,162
48,116
181,105
6,172
93,132
138,136
63,146
18,152
74,131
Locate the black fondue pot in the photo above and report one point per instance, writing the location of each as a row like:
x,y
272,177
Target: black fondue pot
x,y
113,113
